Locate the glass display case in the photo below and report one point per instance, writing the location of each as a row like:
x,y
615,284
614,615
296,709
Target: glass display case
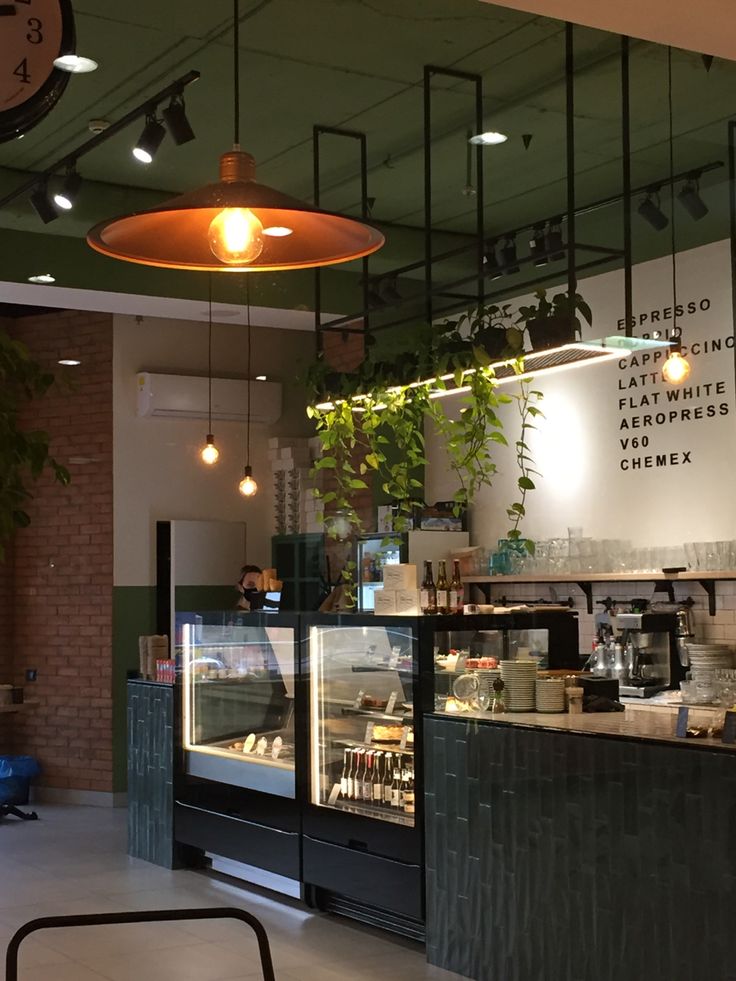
x,y
468,658
362,720
239,674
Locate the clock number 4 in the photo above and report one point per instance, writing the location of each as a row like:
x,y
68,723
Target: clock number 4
x,y
22,72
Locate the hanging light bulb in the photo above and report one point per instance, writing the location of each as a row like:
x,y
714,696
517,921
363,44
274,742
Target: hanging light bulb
x,y
247,485
236,236
209,452
676,368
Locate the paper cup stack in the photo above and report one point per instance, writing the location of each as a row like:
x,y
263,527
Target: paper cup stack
x,y
519,678
706,658
550,694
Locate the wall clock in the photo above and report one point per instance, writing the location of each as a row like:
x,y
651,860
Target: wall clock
x,y
32,34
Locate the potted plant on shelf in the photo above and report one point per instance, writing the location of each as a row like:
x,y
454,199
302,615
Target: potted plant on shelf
x,y
483,334
553,322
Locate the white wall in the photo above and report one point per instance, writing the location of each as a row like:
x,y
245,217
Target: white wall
x,y
157,471
579,447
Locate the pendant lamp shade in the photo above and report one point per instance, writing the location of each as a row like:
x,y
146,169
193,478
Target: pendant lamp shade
x,y
180,234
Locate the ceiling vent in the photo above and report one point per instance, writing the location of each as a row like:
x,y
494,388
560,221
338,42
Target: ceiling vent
x,y
186,397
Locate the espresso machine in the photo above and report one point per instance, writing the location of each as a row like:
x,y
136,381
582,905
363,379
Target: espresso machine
x,y
648,652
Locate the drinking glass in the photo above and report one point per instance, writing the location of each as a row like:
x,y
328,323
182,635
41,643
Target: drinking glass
x,y
690,559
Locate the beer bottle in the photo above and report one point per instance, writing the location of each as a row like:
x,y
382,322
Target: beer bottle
x,y
443,590
457,590
344,775
428,591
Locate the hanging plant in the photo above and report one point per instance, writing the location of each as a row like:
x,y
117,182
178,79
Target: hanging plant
x,y
23,453
369,410
526,400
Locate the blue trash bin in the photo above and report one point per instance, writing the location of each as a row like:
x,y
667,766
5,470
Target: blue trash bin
x,y
16,773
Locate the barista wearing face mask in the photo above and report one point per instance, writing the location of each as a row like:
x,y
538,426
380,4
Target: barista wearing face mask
x,y
251,598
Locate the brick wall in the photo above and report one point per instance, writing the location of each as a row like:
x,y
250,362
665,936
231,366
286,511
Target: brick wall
x,y
63,573
6,622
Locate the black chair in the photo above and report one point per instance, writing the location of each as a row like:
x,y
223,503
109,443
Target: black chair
x,y
14,791
143,916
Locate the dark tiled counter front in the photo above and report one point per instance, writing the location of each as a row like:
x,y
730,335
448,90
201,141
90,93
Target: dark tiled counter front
x,y
151,772
563,856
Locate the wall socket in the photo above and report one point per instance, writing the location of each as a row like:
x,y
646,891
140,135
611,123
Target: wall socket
x,y
31,674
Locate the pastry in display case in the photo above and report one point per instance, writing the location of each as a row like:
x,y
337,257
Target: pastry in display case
x,y
238,681
362,721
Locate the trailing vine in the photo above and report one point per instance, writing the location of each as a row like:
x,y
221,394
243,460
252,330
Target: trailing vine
x,y
374,412
526,400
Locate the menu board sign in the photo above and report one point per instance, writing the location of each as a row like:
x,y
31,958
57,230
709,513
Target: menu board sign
x,y
621,450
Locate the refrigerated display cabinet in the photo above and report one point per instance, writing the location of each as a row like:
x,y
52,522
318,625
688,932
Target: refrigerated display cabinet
x,y
362,842
236,795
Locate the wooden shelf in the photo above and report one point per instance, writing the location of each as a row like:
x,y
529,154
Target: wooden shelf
x,y
584,580
4,709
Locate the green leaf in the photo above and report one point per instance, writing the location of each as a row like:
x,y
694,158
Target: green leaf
x,y
526,484
497,437
357,484
519,508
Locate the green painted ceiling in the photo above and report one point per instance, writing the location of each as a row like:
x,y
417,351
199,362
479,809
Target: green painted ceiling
x,y
358,64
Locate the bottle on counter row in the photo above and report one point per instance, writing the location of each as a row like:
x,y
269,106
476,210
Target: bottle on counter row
x,y
383,778
444,597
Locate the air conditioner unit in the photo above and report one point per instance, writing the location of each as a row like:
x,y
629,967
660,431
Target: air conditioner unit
x,y
185,397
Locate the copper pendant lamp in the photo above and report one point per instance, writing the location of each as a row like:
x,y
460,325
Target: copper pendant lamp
x,y
236,224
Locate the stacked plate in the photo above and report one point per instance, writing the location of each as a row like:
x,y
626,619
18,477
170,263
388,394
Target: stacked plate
x,y
550,694
487,676
519,678
706,658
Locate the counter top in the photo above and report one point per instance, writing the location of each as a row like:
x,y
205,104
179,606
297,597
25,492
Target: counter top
x,y
651,724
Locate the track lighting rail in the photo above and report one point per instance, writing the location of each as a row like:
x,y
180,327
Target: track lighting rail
x,y
175,88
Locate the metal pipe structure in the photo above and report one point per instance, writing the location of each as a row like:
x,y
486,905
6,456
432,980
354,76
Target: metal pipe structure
x,y
626,160
317,132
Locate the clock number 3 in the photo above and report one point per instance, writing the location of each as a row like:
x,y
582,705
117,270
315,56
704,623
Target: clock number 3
x,y
34,36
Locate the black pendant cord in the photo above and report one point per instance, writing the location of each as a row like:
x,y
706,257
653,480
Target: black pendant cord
x,y
247,368
236,73
209,360
675,328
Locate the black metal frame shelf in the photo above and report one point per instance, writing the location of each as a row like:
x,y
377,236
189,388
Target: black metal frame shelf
x,y
707,580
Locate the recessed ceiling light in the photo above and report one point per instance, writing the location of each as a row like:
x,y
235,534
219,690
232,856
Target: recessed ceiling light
x,y
489,138
278,231
69,362
261,378
75,64
42,278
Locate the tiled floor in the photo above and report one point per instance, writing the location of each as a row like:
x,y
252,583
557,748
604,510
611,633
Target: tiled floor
x,y
73,861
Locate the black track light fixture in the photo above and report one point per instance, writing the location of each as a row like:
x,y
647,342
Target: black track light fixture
x,y
69,191
43,204
508,255
177,123
150,140
538,245
374,299
555,241
689,197
490,261
389,292
651,212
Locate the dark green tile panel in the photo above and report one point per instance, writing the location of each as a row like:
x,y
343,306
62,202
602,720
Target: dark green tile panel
x,y
133,614
151,772
560,857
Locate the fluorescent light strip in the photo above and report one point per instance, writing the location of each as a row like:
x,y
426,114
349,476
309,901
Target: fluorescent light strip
x,y
606,349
